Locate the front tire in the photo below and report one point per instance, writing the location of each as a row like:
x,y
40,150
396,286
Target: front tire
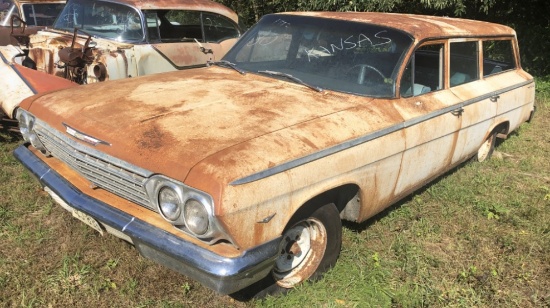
x,y
310,246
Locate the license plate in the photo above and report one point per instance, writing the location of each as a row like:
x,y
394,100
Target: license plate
x,y
87,219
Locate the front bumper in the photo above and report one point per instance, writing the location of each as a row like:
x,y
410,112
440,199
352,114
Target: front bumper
x,y
222,274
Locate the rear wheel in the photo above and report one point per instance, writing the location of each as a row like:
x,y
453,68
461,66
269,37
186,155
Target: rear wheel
x,y
487,148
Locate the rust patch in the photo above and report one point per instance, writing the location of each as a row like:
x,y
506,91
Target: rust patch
x,y
151,139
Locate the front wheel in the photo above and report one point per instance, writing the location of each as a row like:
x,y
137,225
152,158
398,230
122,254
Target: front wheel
x,y
309,247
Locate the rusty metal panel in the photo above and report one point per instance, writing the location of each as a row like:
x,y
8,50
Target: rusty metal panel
x,y
420,26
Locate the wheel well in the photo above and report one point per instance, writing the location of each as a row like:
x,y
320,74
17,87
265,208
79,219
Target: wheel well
x,y
501,129
340,196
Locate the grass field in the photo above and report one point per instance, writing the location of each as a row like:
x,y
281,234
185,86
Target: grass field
x,y
478,236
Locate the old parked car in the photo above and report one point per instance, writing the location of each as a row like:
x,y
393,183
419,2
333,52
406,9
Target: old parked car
x,y
239,174
98,40
27,17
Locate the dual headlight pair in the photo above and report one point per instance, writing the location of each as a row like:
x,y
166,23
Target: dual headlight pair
x,y
185,208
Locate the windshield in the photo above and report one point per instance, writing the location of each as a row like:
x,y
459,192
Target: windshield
x,y
102,19
324,53
7,10
43,14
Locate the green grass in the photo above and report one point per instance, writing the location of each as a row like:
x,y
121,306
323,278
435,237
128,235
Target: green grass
x,y
477,236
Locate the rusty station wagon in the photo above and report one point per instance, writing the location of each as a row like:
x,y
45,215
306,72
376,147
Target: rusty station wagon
x,y
26,17
98,40
239,174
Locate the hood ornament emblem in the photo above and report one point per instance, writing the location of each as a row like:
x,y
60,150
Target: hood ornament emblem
x,y
83,137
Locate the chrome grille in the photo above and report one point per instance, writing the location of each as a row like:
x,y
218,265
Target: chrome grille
x,y
106,172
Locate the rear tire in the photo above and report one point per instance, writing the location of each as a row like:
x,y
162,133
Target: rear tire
x,y
487,148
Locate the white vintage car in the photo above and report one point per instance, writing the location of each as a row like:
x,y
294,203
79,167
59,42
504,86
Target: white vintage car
x,y
239,174
26,17
98,40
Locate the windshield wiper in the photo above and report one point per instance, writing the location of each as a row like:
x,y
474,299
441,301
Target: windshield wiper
x,y
296,79
225,63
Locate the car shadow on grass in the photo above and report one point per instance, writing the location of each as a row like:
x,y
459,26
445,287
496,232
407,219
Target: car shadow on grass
x,y
9,135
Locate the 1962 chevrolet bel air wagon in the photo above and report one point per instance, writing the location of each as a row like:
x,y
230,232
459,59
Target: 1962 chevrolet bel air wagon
x,y
240,174
99,40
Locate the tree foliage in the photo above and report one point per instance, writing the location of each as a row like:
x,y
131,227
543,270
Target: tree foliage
x,y
530,18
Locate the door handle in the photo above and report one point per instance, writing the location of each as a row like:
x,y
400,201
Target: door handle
x,y
458,112
494,98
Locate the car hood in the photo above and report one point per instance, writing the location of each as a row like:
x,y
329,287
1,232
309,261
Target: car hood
x,y
214,119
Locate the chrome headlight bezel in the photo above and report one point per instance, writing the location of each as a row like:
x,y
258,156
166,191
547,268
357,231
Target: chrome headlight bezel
x,y
27,122
214,232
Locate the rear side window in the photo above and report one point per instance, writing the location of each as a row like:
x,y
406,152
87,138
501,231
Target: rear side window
x,y
180,26
187,26
218,28
464,62
498,56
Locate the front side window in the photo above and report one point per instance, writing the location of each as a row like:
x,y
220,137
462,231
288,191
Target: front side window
x,y
338,55
41,14
424,72
102,19
464,62
7,10
498,56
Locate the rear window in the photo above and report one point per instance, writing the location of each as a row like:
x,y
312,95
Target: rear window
x,y
498,56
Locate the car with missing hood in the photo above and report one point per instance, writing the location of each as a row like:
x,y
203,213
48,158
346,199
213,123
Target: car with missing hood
x,y
239,174
99,40
24,17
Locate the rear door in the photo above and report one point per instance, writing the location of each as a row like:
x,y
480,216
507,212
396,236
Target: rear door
x,y
430,124
189,39
478,109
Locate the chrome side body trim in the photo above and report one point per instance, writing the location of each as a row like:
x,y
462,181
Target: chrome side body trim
x,y
377,134
222,274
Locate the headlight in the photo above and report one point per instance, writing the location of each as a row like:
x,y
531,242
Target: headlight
x,y
196,217
26,122
170,204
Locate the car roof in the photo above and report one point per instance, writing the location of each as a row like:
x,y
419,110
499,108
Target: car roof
x,y
421,26
192,5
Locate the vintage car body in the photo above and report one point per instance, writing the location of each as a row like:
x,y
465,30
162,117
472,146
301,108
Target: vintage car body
x,y
121,39
240,173
35,14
